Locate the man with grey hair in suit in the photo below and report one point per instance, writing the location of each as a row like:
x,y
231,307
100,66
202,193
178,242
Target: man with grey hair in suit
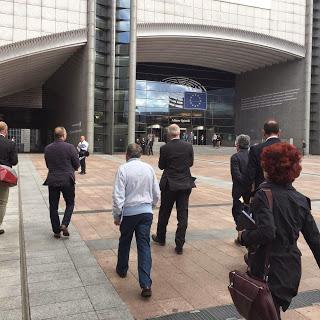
x,y
176,159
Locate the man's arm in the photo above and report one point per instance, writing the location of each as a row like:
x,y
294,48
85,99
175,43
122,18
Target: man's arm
x,y
13,155
252,167
118,195
235,169
74,158
155,190
191,156
162,159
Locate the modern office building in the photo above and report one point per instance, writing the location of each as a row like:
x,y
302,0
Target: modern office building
x,y
94,66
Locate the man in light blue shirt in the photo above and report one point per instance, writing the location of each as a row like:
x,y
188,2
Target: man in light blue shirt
x,y
136,192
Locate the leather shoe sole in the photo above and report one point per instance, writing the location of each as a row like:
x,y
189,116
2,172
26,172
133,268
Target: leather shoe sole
x,y
155,239
1,231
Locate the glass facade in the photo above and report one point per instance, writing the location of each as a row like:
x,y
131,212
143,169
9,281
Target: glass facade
x,y
160,94
121,89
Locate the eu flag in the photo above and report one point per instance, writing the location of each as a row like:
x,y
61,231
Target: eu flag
x,y
195,100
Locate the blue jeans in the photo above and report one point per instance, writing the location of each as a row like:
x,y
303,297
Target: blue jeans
x,y
139,224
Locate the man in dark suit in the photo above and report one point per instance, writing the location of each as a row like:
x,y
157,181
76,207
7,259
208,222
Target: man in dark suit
x,y
8,157
176,158
62,161
254,174
238,166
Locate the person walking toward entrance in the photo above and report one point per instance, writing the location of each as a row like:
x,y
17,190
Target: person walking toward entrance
x,y
214,140
8,157
82,148
62,161
176,158
136,191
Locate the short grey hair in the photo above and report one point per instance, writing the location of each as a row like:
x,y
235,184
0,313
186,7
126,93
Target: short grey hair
x,y
173,130
134,151
243,141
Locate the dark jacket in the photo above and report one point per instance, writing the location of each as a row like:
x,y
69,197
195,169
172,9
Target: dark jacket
x,y
254,173
238,166
280,227
176,158
8,152
62,160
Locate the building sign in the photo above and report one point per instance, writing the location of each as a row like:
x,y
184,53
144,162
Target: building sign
x,y
195,100
263,4
180,120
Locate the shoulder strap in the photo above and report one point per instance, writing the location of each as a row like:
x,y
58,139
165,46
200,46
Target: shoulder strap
x,y
268,193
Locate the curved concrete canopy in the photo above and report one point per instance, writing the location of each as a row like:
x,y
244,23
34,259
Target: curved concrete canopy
x,y
220,48
28,64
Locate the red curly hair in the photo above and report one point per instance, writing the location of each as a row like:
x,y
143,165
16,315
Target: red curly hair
x,y
281,161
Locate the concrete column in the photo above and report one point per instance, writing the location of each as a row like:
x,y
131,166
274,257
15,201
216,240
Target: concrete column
x,y
132,72
308,66
91,53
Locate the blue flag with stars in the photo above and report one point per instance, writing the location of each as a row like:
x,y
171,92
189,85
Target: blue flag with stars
x,y
195,100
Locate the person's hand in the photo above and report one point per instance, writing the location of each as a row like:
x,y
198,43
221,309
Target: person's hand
x,y
240,235
116,222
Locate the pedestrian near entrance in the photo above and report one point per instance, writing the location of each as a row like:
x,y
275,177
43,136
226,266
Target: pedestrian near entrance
x,y
238,165
8,157
136,191
214,140
254,174
278,226
62,161
82,148
176,158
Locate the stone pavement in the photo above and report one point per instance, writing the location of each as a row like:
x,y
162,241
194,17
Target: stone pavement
x,y
65,281
61,279
197,279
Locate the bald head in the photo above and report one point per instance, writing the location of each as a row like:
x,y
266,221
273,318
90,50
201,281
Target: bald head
x,y
173,131
60,133
270,128
3,128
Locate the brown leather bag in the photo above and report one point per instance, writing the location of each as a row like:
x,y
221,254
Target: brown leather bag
x,y
252,296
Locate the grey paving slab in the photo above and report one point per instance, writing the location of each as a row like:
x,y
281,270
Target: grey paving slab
x,y
10,291
102,296
60,266
9,272
79,316
46,253
51,276
10,303
62,284
15,314
62,309
13,280
43,298
114,314
91,275
49,259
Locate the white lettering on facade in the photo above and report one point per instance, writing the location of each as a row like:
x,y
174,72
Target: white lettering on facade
x,y
269,100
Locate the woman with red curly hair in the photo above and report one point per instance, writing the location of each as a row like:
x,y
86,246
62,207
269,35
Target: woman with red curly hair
x,y
277,229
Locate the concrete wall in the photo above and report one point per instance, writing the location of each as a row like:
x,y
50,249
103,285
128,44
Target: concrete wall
x,y
65,97
284,19
26,19
273,92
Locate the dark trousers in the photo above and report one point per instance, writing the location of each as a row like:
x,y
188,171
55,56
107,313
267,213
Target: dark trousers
x,y
54,197
236,210
83,165
168,198
139,224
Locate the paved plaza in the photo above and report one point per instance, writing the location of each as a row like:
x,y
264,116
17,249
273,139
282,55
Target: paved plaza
x,y
63,279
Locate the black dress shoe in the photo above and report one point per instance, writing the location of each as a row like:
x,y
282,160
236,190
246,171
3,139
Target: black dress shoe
x,y
178,250
121,274
65,230
146,293
155,239
1,231
57,235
